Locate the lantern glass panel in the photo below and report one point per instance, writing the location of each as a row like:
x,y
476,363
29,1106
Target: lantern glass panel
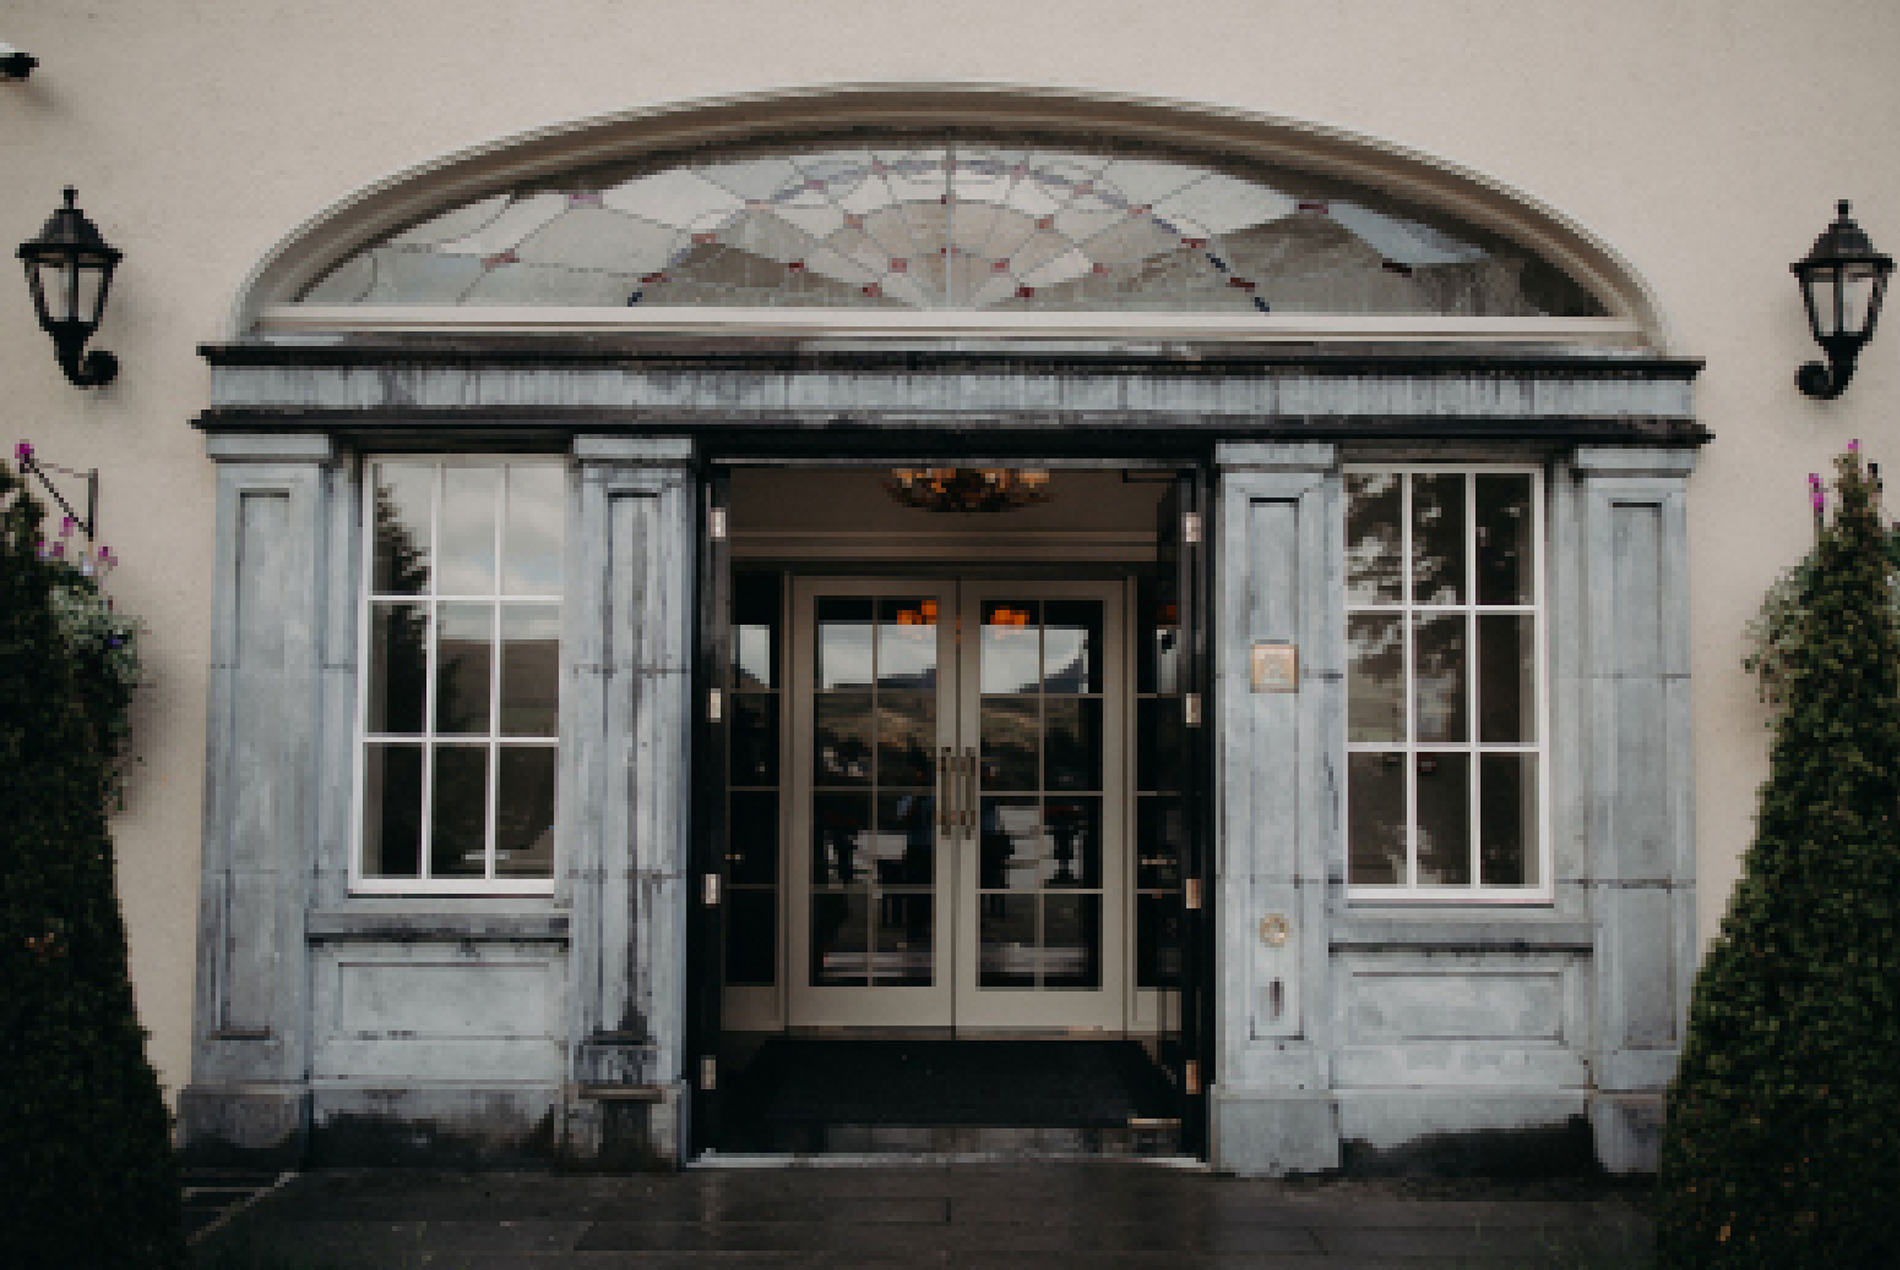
x,y
1857,293
1822,287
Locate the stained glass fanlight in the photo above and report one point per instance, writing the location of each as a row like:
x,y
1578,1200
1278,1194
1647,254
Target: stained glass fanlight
x,y
956,225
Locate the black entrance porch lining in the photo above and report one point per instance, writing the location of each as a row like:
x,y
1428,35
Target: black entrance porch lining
x,y
1065,1096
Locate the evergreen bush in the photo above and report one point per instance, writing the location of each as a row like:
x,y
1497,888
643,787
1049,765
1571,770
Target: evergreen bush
x,y
87,1176
1782,1145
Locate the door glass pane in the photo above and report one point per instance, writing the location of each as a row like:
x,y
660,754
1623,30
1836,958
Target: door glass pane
x,y
1011,650
903,930
755,616
1439,671
907,645
844,643
1158,941
752,938
465,639
1072,646
1009,743
1160,762
1374,512
1160,838
903,845
1072,941
1006,941
1010,843
469,498
1158,667
1438,538
1072,749
530,669
1444,819
753,736
841,740
752,838
1503,506
1375,677
1507,819
840,938
1375,817
459,827
1073,838
906,738
524,811
1507,666
840,838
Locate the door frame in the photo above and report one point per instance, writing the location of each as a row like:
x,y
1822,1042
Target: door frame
x,y
706,1030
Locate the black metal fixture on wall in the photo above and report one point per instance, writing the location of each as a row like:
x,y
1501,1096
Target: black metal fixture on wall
x,y
1843,280
15,63
69,271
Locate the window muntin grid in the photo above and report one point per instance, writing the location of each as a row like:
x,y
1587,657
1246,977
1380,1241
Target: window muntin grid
x,y
459,686
954,224
1446,791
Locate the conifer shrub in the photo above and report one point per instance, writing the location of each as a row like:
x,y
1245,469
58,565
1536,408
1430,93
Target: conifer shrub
x,y
87,1176
1782,1144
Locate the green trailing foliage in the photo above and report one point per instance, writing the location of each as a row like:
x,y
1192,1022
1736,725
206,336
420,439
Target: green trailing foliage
x,y
87,1176
1782,1146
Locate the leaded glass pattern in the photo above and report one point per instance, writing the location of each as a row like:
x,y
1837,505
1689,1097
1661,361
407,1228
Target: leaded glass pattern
x,y
954,225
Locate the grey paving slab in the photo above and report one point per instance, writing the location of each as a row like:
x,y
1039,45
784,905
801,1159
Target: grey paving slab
x,y
1047,1216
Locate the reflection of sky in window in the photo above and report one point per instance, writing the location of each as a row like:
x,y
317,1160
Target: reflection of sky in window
x,y
959,226
536,516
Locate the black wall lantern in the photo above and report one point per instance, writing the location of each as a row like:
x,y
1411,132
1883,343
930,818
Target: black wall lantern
x,y
69,270
1843,281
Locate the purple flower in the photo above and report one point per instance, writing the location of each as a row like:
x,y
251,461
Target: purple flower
x,y
1816,495
59,551
66,524
23,452
1853,447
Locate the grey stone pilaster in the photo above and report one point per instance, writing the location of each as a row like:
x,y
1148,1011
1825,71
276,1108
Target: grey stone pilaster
x,y
1277,807
249,1092
627,731
1633,745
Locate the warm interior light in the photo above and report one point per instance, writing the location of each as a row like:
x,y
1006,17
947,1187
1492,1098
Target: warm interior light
x,y
966,489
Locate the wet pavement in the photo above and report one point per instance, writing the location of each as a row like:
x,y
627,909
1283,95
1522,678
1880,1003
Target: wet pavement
x,y
1049,1216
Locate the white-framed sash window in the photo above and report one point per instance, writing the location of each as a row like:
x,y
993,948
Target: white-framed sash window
x,y
1447,726
459,674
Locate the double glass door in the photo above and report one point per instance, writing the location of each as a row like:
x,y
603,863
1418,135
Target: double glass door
x,y
956,805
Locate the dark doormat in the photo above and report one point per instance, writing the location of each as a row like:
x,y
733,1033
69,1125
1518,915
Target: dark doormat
x,y
797,1085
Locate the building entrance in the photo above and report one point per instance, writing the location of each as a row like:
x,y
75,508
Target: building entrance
x,y
958,805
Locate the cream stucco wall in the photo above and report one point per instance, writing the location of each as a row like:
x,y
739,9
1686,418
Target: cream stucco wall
x,y
1705,141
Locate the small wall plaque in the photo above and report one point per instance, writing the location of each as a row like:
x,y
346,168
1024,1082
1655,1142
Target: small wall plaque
x,y
1275,667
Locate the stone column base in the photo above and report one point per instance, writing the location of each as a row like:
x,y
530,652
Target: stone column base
x,y
1628,1130
1270,1133
620,1128
249,1125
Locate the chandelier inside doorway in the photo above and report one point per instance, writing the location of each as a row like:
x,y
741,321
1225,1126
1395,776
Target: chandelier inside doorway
x,y
968,489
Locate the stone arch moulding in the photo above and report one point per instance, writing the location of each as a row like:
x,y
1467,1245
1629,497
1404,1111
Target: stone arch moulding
x,y
701,127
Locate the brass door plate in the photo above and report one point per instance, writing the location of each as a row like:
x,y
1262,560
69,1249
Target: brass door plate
x,y
1274,667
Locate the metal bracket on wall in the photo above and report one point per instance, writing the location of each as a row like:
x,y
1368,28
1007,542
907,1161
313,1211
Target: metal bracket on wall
x,y
30,465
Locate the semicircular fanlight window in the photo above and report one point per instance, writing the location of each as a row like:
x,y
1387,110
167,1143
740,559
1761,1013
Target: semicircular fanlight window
x,y
954,226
